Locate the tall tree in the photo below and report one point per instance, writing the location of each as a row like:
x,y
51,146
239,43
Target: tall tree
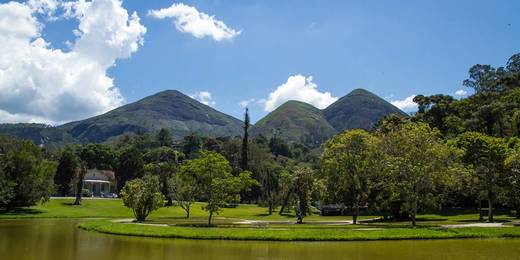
x,y
164,138
216,182
185,188
244,159
419,162
191,145
130,166
92,156
303,181
512,164
27,175
348,161
163,162
65,173
486,155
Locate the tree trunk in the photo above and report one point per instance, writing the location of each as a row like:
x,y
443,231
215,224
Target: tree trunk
x,y
285,202
188,212
270,207
209,219
79,185
517,209
355,214
414,213
169,202
490,210
481,215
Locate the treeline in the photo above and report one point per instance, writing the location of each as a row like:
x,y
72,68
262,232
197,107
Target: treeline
x,y
451,153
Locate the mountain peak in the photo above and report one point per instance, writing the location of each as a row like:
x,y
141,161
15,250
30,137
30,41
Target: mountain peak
x,y
360,91
295,121
359,109
170,109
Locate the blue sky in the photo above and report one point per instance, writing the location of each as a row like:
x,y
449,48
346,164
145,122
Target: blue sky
x,y
393,48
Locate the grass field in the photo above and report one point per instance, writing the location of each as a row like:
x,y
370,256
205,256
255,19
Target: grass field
x,y
171,222
114,208
299,232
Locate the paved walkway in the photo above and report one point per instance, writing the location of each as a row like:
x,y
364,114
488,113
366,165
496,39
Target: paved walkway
x,y
488,225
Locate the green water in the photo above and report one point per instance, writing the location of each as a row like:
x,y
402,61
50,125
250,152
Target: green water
x,y
60,239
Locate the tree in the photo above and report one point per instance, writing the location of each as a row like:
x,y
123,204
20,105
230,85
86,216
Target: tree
x,y
486,155
244,159
287,191
192,144
348,161
92,156
219,187
185,189
269,177
279,147
512,164
82,171
67,167
27,176
163,162
482,78
143,196
164,138
130,166
303,181
419,162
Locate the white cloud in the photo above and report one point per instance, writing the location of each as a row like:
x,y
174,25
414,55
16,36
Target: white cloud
x,y
461,92
406,104
45,7
245,103
299,88
204,97
188,19
42,84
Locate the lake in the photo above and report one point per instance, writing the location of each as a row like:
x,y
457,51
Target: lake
x,y
60,239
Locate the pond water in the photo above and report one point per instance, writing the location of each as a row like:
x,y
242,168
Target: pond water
x,y
60,239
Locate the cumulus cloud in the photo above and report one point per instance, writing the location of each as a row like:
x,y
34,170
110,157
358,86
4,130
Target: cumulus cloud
x,y
204,97
42,84
461,93
299,88
245,103
405,104
188,19
45,7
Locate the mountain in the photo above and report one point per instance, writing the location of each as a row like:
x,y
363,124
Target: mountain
x,y
295,121
169,109
359,109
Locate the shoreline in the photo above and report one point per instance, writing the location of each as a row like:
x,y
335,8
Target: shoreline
x,y
300,233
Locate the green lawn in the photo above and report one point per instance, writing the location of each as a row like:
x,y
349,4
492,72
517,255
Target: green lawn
x,y
113,208
314,228
298,232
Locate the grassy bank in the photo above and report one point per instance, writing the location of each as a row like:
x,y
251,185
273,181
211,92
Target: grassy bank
x,y
298,233
114,208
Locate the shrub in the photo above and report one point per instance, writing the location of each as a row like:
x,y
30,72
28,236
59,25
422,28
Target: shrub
x,y
143,196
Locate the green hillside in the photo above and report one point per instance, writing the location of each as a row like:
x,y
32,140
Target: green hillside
x,y
169,109
359,109
295,121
